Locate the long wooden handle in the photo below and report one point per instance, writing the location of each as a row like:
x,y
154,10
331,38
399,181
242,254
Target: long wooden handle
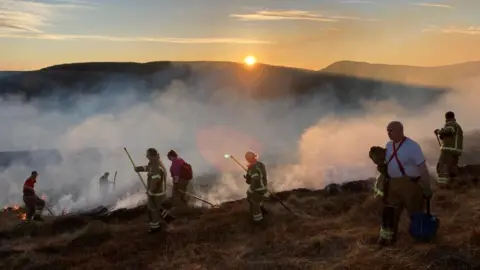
x,y
133,164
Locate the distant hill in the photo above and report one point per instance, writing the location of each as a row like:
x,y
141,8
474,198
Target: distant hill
x,y
4,74
439,76
209,78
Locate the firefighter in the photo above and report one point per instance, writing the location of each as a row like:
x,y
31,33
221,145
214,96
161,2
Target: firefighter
x,y
256,178
156,185
404,181
451,136
180,180
103,183
32,202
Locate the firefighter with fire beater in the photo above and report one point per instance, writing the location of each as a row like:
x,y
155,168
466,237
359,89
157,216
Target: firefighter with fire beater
x,y
256,178
156,191
33,203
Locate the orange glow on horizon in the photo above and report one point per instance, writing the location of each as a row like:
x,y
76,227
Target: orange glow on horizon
x,y
250,60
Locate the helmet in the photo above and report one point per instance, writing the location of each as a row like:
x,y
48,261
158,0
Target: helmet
x,y
152,152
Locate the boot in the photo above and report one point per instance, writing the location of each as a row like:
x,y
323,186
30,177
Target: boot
x,y
154,230
38,218
384,242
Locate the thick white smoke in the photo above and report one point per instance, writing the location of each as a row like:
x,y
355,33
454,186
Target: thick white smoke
x,y
307,146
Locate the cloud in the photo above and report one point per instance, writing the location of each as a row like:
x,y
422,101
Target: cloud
x,y
31,16
276,15
27,20
432,5
471,30
61,37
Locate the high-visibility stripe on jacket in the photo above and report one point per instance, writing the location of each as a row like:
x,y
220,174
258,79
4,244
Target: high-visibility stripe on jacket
x,y
258,176
452,137
156,173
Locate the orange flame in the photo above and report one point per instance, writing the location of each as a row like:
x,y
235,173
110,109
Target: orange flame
x,y
16,207
23,216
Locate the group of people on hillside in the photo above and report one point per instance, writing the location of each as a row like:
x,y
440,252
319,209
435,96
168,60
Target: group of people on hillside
x,y
404,180
180,172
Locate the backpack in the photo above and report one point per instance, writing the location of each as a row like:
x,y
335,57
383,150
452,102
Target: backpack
x,y
186,172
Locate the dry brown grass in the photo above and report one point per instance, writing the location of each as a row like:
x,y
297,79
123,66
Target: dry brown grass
x,y
333,232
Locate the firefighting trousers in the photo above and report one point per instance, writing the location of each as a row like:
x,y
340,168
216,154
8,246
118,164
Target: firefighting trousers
x,y
178,193
34,205
156,198
402,193
255,199
447,168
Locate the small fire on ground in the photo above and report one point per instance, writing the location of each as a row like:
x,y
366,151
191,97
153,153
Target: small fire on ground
x,y
16,210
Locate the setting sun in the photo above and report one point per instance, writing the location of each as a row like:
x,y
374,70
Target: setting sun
x,y
250,60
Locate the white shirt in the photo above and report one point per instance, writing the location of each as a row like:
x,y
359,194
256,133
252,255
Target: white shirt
x,y
410,156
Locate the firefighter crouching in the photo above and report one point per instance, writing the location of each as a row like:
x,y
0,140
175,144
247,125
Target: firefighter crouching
x,y
404,181
157,187
32,202
451,137
256,178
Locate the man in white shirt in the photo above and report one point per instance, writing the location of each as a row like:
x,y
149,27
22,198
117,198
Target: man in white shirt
x,y
404,181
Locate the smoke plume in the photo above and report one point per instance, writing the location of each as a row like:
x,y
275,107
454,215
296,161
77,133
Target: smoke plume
x,y
309,146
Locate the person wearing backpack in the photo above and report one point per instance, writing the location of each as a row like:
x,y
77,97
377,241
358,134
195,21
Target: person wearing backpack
x,y
181,173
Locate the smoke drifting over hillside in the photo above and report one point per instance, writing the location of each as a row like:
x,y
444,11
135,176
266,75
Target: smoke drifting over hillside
x,y
304,146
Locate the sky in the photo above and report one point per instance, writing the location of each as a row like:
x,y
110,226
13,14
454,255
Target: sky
x,y
300,33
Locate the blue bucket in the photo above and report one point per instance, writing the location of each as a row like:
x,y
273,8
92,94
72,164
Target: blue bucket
x,y
424,226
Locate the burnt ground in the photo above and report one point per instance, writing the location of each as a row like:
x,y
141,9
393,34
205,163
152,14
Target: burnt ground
x,y
331,231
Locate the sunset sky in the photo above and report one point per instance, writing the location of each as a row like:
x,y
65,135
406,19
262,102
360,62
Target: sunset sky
x,y
301,33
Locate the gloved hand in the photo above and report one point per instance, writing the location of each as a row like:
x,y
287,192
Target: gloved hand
x,y
436,131
138,169
248,180
427,191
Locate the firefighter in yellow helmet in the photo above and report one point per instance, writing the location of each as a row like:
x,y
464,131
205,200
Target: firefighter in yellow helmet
x,y
451,137
256,178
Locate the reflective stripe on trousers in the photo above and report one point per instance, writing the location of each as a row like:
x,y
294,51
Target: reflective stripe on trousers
x,y
258,217
154,225
258,189
386,234
156,194
445,180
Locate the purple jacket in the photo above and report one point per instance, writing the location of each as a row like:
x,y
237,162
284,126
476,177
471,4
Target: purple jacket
x,y
176,167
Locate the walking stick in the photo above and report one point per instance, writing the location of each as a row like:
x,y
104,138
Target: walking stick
x,y
114,180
